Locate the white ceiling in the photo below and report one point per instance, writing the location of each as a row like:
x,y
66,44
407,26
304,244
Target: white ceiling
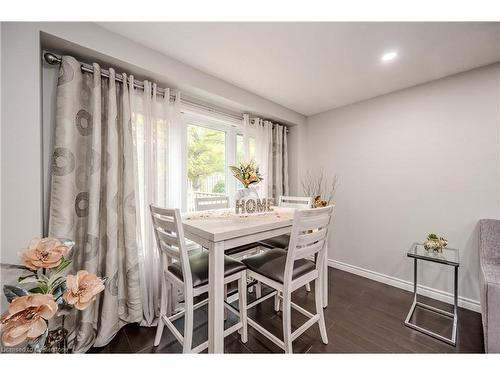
x,y
313,67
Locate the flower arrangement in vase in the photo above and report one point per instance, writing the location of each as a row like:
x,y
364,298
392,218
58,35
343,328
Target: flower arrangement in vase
x,y
44,294
248,174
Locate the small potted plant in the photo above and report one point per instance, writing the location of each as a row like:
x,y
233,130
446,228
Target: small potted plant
x,y
248,174
34,321
435,243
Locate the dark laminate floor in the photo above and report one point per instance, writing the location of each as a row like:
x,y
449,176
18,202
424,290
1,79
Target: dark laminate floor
x,y
363,316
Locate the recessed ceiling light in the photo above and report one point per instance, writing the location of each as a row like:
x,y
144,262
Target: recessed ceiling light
x,y
389,56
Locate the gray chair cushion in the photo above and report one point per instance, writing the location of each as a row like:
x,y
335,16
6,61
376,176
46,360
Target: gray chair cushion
x,y
271,264
278,242
199,268
239,249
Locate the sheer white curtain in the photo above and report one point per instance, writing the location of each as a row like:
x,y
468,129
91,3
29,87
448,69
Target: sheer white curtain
x,y
157,129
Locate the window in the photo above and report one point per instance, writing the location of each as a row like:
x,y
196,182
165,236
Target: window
x,y
206,163
211,145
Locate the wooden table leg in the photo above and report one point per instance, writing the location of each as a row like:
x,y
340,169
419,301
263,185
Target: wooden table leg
x,y
216,298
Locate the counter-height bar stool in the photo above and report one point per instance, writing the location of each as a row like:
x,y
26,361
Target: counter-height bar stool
x,y
190,274
286,271
281,242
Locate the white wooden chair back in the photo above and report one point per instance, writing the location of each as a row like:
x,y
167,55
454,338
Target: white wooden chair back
x,y
308,237
295,202
211,203
169,233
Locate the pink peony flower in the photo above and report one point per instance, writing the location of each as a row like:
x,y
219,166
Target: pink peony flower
x,y
26,318
43,253
82,289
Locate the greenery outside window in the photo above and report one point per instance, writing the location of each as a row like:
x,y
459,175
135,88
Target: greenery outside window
x,y
211,145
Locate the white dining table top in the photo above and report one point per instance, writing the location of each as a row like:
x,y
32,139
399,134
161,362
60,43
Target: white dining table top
x,y
225,224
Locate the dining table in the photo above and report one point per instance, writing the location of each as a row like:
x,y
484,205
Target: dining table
x,y
221,230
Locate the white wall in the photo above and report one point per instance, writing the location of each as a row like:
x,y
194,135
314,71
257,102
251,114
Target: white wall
x,y
21,118
21,193
425,159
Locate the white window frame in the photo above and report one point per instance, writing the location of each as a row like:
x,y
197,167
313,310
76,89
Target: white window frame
x,y
231,129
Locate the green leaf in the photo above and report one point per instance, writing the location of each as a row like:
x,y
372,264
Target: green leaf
x,y
58,280
64,263
12,292
58,292
56,284
41,288
7,266
235,170
44,279
27,279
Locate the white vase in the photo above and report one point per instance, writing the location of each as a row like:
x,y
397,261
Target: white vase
x,y
246,193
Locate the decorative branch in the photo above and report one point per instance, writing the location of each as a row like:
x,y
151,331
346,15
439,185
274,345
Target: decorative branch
x,y
319,184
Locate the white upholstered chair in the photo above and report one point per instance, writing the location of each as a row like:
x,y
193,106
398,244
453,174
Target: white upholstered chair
x,y
190,274
286,271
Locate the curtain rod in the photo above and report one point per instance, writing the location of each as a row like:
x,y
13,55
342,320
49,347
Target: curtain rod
x,y
54,59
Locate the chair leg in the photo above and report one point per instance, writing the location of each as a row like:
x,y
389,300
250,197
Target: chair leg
x,y
318,297
225,299
258,290
174,293
325,284
188,323
308,287
277,302
287,321
242,306
169,298
163,310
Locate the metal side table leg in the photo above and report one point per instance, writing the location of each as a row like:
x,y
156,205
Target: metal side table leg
x,y
416,304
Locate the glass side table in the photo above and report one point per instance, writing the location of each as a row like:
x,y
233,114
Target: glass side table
x,y
449,257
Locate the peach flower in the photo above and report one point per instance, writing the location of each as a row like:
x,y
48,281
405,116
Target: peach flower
x,y
26,318
43,253
82,289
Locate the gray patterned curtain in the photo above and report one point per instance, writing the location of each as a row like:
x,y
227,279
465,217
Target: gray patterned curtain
x,y
279,161
272,157
93,195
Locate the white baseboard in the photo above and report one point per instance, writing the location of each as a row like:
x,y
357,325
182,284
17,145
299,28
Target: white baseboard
x,y
439,295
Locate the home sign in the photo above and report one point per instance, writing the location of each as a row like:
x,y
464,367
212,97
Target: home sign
x,y
251,206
